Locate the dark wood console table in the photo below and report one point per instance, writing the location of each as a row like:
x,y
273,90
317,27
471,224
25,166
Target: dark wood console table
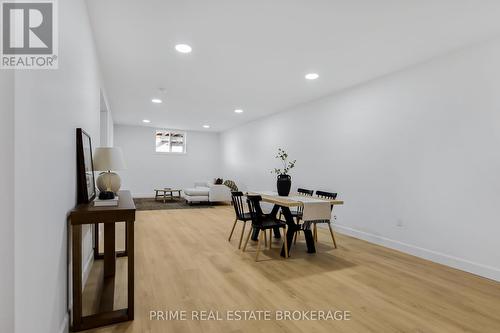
x,y
109,216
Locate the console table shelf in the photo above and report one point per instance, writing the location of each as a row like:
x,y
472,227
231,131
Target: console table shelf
x,y
109,216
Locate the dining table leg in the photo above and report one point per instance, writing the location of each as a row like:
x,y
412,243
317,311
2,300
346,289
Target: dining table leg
x,y
292,229
311,247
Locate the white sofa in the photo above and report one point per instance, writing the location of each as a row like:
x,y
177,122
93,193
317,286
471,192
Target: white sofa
x,y
206,192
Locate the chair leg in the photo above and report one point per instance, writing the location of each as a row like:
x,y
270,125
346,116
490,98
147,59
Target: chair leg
x,y
242,233
232,230
333,237
315,233
295,237
270,238
265,237
285,243
248,237
258,244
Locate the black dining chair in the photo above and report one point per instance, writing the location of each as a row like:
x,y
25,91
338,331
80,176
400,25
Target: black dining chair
x,y
300,210
262,223
297,214
241,215
329,196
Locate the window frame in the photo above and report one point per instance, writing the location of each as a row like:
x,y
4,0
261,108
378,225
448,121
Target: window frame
x,y
171,131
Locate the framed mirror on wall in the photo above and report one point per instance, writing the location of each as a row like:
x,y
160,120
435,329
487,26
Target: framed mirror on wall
x,y
86,190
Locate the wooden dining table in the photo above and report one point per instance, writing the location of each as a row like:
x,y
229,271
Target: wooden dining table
x,y
284,203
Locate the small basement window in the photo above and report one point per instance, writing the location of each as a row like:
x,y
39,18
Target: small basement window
x,y
170,141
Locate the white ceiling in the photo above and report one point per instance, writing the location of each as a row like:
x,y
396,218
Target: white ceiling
x,y
254,54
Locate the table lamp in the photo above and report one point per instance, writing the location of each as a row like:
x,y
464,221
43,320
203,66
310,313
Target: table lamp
x,y
108,159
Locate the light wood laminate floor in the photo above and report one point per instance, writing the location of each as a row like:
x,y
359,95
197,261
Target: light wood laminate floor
x,y
184,262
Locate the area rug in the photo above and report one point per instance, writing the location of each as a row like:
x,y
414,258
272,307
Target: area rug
x,y
151,204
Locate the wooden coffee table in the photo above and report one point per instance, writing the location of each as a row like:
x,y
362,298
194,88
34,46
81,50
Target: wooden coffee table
x,y
164,192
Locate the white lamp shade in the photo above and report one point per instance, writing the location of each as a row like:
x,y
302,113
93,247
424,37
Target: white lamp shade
x,y
108,158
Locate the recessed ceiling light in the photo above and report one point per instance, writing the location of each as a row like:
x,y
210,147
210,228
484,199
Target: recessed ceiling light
x,y
147,121
156,100
206,126
238,111
312,76
183,48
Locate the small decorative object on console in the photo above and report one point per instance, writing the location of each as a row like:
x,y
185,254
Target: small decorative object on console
x,y
108,159
106,195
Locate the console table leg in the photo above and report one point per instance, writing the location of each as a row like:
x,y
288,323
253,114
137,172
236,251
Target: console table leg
x,y
109,250
76,249
96,241
130,282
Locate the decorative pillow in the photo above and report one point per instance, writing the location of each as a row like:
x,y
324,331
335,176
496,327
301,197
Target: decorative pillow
x,y
218,181
231,185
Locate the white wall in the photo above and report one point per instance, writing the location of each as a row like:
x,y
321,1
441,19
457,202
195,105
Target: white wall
x,y
107,128
147,170
419,149
7,201
50,105
106,122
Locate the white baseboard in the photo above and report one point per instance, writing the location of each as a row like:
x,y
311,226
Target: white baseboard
x,y
64,327
441,258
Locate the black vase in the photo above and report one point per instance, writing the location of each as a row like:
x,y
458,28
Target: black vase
x,y
284,184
